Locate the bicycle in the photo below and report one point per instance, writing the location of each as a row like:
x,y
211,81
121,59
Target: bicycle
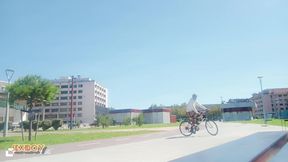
x,y
187,128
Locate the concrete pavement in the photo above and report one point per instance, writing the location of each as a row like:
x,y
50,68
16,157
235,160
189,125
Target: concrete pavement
x,y
166,147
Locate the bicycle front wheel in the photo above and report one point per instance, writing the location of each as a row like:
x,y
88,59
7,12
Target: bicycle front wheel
x,y
211,127
185,128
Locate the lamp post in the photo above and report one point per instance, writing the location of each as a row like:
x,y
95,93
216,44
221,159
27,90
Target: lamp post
x,y
9,75
262,98
71,109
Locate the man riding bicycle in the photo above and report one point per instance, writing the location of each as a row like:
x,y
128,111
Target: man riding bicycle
x,y
196,113
194,110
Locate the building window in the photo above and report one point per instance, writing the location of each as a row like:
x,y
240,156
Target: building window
x,y
74,97
55,104
47,110
63,110
63,98
80,85
64,86
74,86
80,91
73,92
62,115
54,110
80,103
47,104
79,115
74,103
57,98
64,92
79,108
63,104
79,97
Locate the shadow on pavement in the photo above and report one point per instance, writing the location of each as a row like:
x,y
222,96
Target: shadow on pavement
x,y
177,137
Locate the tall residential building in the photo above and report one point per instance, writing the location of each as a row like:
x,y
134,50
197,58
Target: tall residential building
x,y
274,101
85,95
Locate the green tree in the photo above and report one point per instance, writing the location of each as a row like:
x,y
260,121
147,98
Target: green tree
x,y
46,124
25,125
34,125
139,120
34,90
56,124
215,113
105,121
179,111
127,121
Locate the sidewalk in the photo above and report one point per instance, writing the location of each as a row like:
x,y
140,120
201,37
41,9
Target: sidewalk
x,y
163,148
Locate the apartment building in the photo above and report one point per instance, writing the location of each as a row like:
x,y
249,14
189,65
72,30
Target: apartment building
x,y
78,99
274,101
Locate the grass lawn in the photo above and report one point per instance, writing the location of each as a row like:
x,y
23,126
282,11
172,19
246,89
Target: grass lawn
x,y
276,122
137,127
56,138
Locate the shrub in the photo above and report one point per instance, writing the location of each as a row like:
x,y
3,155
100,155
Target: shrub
x,y
3,123
46,124
34,125
139,120
25,125
56,124
1,126
127,121
105,121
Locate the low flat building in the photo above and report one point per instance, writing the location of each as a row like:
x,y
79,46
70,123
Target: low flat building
x,y
150,115
154,116
120,115
237,109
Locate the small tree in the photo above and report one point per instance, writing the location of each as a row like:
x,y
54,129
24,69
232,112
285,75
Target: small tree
x,y
34,125
127,121
25,125
57,123
105,121
139,120
34,90
46,124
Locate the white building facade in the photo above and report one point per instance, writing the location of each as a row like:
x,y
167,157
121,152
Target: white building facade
x,y
14,114
78,100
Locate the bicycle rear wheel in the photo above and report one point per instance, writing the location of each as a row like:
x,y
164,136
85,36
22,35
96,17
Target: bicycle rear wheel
x,y
211,127
185,128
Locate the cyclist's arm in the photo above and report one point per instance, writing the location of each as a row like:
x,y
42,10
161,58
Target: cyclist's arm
x,y
201,107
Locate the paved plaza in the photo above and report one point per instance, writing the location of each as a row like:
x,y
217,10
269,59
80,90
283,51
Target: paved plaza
x,y
157,147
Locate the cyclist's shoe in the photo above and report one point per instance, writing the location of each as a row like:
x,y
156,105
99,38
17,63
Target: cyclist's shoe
x,y
197,128
193,129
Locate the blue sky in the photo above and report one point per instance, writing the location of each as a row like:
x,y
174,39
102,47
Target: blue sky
x,y
150,52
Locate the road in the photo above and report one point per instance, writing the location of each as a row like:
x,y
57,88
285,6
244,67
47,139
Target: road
x,y
156,147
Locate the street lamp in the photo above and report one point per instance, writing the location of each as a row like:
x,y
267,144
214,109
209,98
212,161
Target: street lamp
x,y
262,98
9,75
